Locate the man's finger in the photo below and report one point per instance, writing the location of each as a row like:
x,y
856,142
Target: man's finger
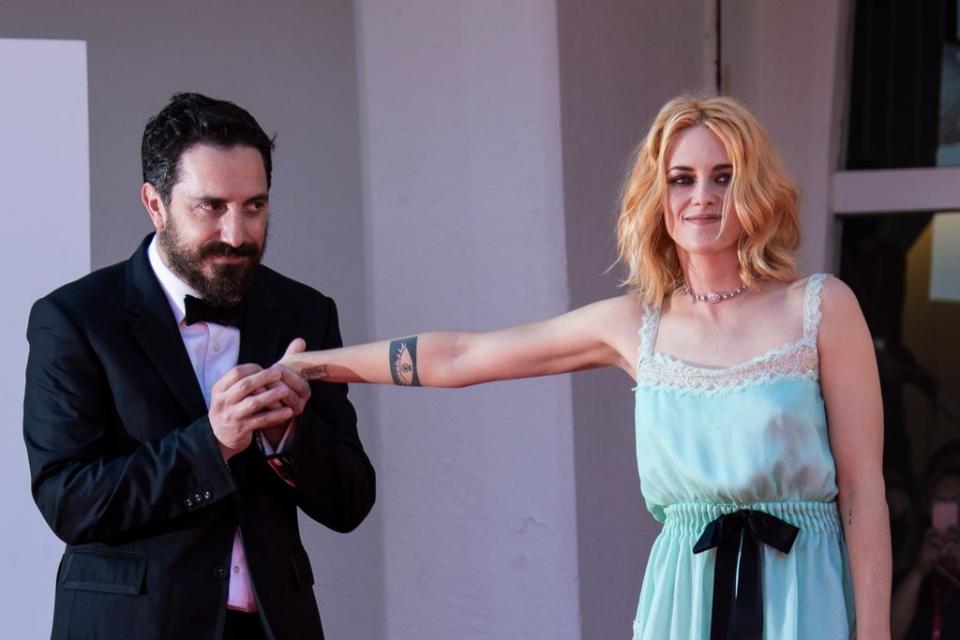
x,y
262,399
233,375
252,383
297,384
270,419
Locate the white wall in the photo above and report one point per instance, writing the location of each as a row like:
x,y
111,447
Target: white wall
x,y
618,66
44,179
464,228
788,62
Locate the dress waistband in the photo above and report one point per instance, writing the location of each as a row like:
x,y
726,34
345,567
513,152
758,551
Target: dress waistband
x,y
809,516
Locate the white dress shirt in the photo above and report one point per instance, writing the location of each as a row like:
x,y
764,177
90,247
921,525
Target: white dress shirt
x,y
213,350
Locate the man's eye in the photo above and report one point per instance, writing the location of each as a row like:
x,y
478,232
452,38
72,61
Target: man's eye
x,y
256,207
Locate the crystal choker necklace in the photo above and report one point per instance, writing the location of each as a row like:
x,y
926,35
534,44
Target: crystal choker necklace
x,y
713,297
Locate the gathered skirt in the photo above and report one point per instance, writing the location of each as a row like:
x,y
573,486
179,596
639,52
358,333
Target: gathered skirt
x,y
807,592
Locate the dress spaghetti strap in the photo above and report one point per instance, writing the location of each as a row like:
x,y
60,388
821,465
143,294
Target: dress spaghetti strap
x,y
812,314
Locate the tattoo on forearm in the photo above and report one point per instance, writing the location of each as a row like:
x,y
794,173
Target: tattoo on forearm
x,y
316,373
403,362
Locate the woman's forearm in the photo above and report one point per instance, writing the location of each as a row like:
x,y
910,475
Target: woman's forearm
x,y
428,359
867,532
576,340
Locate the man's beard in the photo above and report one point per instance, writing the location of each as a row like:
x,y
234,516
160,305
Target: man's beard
x,y
228,283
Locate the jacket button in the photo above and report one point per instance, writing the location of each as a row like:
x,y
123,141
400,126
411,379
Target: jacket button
x,y
207,495
220,573
188,502
197,497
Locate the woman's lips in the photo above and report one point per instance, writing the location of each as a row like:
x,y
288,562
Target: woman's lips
x,y
702,219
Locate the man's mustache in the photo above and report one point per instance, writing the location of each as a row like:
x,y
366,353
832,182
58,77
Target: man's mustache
x,y
246,250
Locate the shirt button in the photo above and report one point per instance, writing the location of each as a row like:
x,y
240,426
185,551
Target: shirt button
x,y
220,573
216,347
236,569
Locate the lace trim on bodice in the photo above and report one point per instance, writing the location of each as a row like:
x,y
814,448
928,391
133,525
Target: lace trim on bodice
x,y
797,360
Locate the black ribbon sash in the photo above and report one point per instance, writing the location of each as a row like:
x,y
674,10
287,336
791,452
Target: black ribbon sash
x,y
738,603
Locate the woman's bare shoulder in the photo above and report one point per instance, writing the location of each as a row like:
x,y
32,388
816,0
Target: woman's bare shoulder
x,y
623,308
616,322
838,302
832,290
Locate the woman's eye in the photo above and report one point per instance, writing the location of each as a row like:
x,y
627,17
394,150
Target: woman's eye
x,y
681,180
725,178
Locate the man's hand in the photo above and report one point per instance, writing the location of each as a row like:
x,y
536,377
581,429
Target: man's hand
x,y
245,399
298,395
299,388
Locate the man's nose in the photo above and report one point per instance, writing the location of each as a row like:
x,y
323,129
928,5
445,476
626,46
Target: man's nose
x,y
231,228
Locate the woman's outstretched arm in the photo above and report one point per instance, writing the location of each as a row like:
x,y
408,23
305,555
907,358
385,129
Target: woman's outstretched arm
x,y
593,336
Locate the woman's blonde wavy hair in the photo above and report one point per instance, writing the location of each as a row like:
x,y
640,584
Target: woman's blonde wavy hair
x,y
763,196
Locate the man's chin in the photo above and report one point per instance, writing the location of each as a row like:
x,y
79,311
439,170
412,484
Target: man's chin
x,y
228,283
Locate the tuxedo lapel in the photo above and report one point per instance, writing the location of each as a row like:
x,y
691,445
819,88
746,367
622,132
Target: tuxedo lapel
x,y
260,336
153,327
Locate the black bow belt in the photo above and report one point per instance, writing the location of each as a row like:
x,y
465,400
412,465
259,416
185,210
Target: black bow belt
x,y
738,603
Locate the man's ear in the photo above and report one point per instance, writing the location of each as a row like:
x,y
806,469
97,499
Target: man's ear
x,y
153,203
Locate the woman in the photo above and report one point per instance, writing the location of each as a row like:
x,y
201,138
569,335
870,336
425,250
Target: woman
x,y
733,447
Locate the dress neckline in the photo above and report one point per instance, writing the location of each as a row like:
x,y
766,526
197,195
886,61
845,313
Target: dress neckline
x,y
769,354
811,321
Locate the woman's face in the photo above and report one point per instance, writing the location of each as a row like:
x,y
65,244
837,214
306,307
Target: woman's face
x,y
699,173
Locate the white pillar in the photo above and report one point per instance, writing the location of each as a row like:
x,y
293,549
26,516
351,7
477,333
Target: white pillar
x,y
464,225
44,179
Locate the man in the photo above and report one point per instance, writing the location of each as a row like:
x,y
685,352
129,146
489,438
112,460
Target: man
x,y
173,473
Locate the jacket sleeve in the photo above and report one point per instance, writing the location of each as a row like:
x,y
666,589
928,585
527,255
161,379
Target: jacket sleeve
x,y
91,480
335,482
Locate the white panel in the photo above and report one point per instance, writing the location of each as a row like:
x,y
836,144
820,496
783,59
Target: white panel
x,y
945,267
44,179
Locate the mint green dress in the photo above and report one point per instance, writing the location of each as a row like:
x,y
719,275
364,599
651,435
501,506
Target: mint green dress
x,y
751,436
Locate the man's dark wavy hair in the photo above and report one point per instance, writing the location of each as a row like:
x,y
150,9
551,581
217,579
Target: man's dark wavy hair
x,y
189,119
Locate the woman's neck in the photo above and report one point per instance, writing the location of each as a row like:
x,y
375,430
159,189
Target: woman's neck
x,y
704,273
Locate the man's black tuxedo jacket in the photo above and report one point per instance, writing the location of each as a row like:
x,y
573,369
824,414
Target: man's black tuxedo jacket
x,y
126,470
